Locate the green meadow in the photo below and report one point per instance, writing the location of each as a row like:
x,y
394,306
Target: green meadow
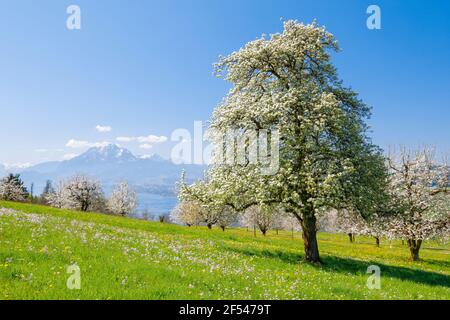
x,y
124,258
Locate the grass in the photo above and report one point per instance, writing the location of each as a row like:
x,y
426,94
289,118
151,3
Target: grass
x,y
123,258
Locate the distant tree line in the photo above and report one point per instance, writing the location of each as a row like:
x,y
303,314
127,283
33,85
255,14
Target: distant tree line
x,y
76,193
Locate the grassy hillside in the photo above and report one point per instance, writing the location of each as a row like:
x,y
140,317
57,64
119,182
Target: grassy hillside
x,y
124,258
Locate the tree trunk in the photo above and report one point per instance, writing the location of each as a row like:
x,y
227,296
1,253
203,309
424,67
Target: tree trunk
x,y
264,231
351,238
309,235
209,226
84,206
414,247
222,227
377,241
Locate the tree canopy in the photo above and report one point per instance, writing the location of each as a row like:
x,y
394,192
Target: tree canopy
x,y
287,84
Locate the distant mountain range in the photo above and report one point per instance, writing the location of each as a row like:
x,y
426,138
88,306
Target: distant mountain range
x,y
153,178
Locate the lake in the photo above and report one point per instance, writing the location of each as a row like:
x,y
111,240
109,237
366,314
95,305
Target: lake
x,y
154,204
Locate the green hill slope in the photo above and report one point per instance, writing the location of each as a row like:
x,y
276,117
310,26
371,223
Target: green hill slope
x,y
121,258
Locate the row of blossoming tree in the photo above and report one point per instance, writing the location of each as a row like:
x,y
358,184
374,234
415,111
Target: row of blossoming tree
x,y
286,82
78,193
418,206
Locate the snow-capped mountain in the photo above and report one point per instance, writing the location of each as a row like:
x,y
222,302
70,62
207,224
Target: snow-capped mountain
x,y
8,168
107,154
153,177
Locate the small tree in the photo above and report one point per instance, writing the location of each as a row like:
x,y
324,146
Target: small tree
x,y
188,213
56,198
419,188
261,217
12,188
122,200
350,223
78,193
377,226
227,217
210,216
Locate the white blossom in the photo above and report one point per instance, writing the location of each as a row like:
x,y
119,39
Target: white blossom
x,y
188,213
12,188
122,200
419,188
78,193
286,83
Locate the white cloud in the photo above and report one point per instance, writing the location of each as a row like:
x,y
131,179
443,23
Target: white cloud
x,y
75,144
144,139
41,150
17,166
146,142
70,156
146,146
152,139
103,129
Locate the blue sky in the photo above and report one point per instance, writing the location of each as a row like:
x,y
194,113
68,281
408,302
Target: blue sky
x,y
145,68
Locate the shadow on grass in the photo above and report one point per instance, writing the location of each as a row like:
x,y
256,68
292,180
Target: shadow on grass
x,y
440,263
356,267
436,249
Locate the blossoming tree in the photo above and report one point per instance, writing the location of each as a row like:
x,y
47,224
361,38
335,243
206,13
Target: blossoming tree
x,y
287,83
262,217
122,200
188,213
420,190
12,188
227,217
79,193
